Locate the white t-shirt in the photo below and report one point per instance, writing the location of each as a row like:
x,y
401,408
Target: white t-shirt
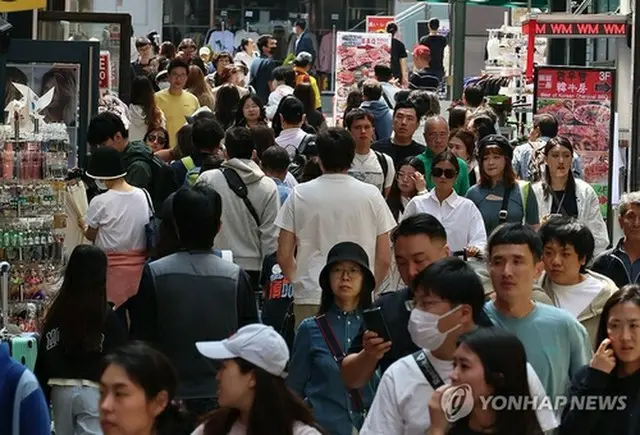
x,y
367,168
120,218
240,429
460,217
290,139
400,406
331,209
575,298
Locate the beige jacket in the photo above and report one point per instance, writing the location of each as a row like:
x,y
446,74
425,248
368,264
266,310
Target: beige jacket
x,y
590,316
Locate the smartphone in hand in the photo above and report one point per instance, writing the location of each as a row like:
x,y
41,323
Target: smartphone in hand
x,y
374,321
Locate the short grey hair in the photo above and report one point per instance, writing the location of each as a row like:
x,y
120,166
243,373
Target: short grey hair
x,y
627,200
434,118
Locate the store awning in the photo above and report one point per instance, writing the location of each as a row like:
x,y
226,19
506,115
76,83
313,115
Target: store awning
x,y
21,5
539,4
561,25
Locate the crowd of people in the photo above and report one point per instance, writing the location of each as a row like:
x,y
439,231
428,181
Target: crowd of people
x,y
254,271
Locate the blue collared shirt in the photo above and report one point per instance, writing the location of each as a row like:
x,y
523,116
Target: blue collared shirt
x,y
315,376
283,189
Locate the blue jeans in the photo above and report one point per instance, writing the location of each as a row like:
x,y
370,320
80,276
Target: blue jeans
x,y
75,410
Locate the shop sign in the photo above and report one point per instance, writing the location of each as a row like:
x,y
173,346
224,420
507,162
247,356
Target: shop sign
x,y
582,100
104,75
21,5
581,30
378,24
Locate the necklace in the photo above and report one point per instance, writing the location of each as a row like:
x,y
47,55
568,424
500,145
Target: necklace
x,y
564,194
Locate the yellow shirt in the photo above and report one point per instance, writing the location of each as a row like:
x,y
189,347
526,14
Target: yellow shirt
x,y
304,77
175,108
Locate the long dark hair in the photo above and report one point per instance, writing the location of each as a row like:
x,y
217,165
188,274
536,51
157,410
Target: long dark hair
x,y
241,121
80,308
142,95
506,376
152,371
508,176
275,408
546,182
227,100
276,123
304,93
628,293
394,199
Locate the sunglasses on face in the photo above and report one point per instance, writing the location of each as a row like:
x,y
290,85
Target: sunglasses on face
x,y
448,173
157,138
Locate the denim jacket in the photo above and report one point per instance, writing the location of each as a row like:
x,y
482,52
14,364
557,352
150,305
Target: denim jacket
x,y
315,376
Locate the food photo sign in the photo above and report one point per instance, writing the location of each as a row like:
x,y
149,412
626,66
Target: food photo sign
x,y
356,56
582,100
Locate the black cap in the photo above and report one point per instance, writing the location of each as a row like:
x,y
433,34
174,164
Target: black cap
x,y
106,164
348,251
497,141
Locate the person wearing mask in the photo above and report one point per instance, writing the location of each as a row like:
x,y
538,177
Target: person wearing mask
x,y
621,262
347,283
437,45
557,345
384,75
473,97
116,222
424,77
407,184
478,364
137,392
401,145
261,70
252,392
106,129
220,299
301,67
560,193
369,166
436,136
304,42
418,241
78,330
293,138
613,373
249,230
207,135
175,102
462,143
398,56
284,80
566,283
144,113
275,162
498,195
459,215
309,222
372,102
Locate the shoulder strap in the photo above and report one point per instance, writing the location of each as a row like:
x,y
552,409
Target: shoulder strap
x,y
386,99
149,203
427,369
188,163
239,188
504,213
384,165
525,187
304,143
338,355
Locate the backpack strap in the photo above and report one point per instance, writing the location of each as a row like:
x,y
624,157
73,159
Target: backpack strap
x,y
427,369
239,188
503,214
149,203
304,143
525,188
382,160
338,355
188,163
387,100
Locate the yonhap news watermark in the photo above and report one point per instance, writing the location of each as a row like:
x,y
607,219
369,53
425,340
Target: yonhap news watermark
x,y
457,402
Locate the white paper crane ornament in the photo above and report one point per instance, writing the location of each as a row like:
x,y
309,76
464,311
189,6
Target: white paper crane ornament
x,y
28,108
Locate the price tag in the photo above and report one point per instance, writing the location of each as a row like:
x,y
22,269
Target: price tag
x,y
335,17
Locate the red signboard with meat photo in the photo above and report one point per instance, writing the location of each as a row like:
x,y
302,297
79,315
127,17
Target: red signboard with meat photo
x,y
581,100
356,56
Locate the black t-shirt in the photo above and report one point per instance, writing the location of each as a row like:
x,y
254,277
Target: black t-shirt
x,y
396,314
426,79
398,51
436,44
569,203
398,152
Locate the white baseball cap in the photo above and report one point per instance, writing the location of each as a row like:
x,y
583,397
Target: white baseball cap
x,y
259,344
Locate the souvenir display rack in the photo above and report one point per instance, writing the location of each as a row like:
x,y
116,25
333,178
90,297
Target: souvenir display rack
x,y
33,167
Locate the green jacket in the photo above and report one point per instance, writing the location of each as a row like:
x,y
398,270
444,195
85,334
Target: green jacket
x,y
462,182
136,159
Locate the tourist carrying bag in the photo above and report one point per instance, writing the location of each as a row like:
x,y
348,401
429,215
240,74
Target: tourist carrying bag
x,y
428,370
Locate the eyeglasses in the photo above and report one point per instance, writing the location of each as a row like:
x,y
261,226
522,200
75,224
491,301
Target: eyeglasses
x,y
448,173
157,138
350,272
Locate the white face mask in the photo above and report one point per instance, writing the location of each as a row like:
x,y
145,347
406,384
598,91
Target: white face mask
x,y
164,85
423,328
101,185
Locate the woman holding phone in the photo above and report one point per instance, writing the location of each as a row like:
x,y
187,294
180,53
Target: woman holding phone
x,y
321,341
613,376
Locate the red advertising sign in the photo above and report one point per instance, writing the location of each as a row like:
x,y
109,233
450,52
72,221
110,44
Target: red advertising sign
x,y
378,24
581,99
104,79
578,30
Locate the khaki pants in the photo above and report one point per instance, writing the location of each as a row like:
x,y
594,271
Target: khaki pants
x,y
303,311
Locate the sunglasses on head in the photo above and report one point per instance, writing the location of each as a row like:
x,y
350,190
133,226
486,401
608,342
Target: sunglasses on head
x,y
448,173
157,138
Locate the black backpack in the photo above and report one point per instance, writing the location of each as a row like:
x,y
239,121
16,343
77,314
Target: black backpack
x,y
163,181
305,150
